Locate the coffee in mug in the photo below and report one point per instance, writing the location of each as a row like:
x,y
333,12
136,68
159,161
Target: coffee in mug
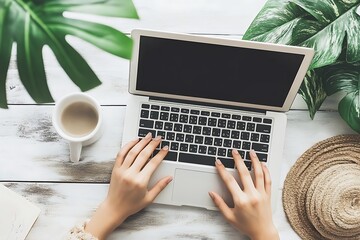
x,y
78,119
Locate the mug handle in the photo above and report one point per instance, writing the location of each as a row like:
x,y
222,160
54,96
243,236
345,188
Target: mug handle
x,y
75,150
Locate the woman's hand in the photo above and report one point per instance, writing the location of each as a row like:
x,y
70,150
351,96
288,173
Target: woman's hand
x,y
252,208
128,192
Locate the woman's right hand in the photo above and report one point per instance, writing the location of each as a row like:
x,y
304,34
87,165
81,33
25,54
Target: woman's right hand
x,y
251,213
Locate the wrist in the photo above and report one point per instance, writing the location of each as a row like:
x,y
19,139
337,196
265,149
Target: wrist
x,y
104,221
267,234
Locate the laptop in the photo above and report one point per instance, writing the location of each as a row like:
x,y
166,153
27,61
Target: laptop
x,y
206,96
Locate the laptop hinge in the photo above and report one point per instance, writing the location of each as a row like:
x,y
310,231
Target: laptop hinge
x,y
208,104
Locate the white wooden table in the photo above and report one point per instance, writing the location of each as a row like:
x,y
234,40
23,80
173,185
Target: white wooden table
x,y
34,160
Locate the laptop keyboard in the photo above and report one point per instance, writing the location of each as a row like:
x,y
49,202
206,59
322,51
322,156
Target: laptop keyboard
x,y
198,136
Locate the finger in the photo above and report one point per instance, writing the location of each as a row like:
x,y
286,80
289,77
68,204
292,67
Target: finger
x,y
124,151
145,154
267,179
228,179
159,186
244,174
153,164
223,207
133,153
258,171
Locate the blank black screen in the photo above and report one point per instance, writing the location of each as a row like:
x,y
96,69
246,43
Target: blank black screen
x,y
215,71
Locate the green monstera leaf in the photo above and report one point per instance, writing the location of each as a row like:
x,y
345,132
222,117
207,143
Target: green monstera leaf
x,y
332,28
32,24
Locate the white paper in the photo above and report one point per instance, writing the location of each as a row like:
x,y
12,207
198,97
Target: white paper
x,y
17,215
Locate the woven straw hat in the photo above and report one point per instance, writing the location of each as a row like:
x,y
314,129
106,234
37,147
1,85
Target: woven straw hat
x,y
321,194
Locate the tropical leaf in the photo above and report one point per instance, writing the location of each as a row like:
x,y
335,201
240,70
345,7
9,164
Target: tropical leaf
x,y
32,24
312,91
349,109
321,25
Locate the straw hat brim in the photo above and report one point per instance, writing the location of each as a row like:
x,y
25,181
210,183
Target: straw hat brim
x,y
321,194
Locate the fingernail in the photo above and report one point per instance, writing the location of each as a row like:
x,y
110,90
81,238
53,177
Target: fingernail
x,y
157,138
218,162
148,136
252,153
235,152
169,180
211,195
166,148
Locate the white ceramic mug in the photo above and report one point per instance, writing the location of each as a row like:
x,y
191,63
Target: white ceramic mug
x,y
78,118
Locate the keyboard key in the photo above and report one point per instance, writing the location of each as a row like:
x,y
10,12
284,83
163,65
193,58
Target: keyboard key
x,y
208,141
195,112
231,124
235,134
171,156
267,120
227,162
165,143
183,118
221,123
197,130
260,147
236,117
248,165
144,114
187,128
193,148
197,159
168,126
174,117
236,144
206,131
246,145
256,119
170,136
227,143
240,126
189,138
212,150
250,127
205,113
161,133
262,157
221,152
246,118
199,139
144,105
244,135
193,119
225,133
159,125
174,146
202,149
165,108
212,122
255,137
216,132
154,115
264,138
202,121
261,128
185,110
175,109
218,142
178,127
180,137
225,115
155,107
184,147
142,132
164,116
146,123
215,114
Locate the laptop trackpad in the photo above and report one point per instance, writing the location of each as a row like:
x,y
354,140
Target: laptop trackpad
x,y
192,188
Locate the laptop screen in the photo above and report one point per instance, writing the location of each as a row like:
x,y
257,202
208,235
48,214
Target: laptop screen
x,y
213,71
